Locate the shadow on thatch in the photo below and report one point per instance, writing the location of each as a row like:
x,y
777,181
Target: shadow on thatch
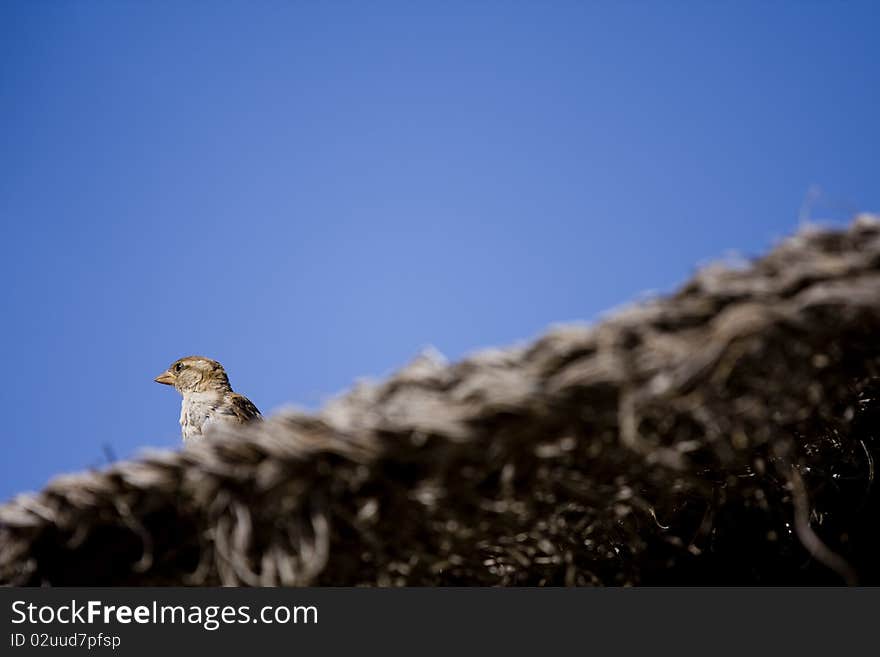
x,y
721,435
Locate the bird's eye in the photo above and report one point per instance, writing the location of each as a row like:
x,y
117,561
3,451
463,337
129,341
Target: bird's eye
x,y
178,367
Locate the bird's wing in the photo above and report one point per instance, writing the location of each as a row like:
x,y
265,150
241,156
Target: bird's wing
x,y
240,407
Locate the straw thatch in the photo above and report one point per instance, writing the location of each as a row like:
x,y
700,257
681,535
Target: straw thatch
x,y
724,434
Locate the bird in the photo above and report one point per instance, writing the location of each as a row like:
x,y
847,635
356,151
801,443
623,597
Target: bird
x,y
208,398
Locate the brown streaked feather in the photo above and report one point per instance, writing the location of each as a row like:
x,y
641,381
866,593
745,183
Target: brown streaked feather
x,y
240,407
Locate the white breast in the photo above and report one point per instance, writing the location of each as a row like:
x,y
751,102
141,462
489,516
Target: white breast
x,y
197,413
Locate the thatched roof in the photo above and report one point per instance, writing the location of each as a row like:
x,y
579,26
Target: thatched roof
x,y
724,434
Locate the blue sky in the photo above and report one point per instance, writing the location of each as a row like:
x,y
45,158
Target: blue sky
x,y
312,192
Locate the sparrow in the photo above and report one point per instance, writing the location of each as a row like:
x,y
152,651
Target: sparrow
x,y
208,398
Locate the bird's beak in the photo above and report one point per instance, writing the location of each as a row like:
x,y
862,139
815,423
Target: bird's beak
x,y
165,377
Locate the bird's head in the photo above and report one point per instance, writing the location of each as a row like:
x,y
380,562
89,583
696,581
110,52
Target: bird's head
x,y
195,374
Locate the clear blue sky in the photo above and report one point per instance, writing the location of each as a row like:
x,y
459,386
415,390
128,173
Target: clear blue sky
x,y
311,193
